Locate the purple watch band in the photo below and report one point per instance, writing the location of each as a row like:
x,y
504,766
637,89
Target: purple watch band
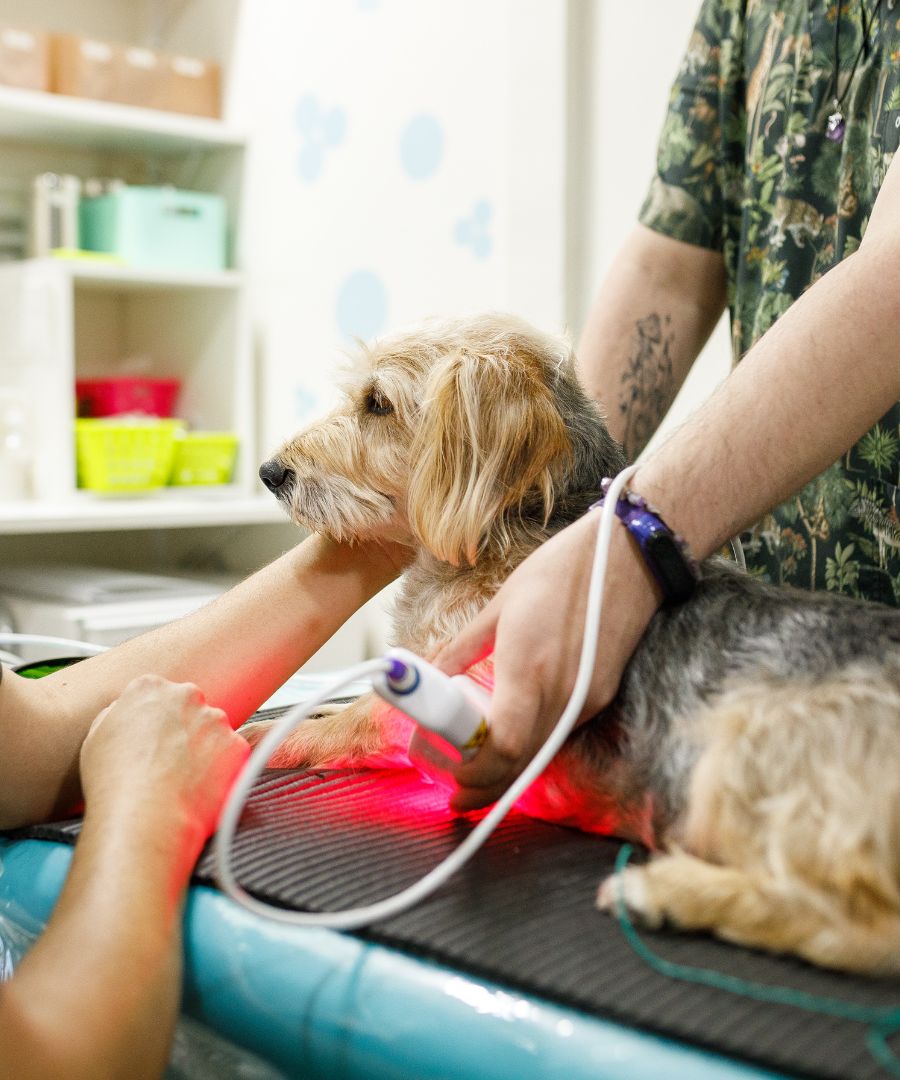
x,y
666,554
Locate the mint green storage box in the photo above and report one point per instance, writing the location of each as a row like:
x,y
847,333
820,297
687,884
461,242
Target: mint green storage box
x,y
159,228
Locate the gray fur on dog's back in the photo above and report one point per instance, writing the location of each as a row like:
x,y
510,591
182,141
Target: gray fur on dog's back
x,y
735,629
755,738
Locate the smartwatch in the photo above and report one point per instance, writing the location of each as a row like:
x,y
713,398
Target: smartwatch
x,y
666,554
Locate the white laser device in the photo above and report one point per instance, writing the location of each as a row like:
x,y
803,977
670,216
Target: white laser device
x,y
453,707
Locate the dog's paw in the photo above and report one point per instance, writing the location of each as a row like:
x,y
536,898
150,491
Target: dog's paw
x,y
255,732
336,737
631,887
297,751
330,708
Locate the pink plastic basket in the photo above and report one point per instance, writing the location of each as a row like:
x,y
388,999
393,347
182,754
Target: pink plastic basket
x,y
126,394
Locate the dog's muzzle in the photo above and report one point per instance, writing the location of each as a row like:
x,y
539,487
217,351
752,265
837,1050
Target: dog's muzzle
x,y
276,477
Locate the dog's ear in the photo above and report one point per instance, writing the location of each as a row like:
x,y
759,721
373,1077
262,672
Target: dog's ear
x,y
490,444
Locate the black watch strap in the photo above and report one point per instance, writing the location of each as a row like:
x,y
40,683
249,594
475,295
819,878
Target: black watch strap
x,y
666,554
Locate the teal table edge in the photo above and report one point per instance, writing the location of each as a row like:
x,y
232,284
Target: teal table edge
x,y
317,1003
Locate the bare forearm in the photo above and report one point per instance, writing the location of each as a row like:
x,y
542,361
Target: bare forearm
x,y
238,650
659,303
241,647
823,375
99,992
805,393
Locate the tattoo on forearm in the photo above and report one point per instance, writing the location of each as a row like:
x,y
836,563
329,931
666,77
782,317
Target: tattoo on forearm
x,y
647,382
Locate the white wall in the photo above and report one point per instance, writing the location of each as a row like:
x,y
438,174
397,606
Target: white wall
x,y
416,157
393,175
407,160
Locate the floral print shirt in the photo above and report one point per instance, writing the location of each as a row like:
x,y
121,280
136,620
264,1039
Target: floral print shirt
x,y
744,167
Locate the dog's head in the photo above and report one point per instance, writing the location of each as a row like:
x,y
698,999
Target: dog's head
x,y
461,436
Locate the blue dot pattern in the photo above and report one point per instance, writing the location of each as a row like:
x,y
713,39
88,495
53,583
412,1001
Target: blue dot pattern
x,y
421,146
474,231
320,129
362,305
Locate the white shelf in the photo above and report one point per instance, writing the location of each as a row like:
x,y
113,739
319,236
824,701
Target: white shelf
x,y
36,116
163,510
61,318
111,277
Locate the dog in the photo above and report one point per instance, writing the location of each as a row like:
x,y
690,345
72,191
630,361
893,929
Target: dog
x,y
754,745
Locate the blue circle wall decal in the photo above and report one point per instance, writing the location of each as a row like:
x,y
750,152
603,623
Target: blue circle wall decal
x,y
310,161
362,305
319,129
307,114
421,146
481,214
474,231
334,126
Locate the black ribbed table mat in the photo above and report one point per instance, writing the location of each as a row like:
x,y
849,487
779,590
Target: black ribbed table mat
x,y
521,913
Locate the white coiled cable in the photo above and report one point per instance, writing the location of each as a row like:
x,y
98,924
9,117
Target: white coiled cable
x,y
354,918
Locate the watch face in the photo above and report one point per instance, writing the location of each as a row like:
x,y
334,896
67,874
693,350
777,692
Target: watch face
x,y
674,572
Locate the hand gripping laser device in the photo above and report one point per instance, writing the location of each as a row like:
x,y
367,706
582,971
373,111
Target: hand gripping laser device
x,y
453,708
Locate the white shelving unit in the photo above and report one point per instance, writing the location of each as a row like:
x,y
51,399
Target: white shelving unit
x,y
83,513
61,318
102,125
84,317
67,318
122,279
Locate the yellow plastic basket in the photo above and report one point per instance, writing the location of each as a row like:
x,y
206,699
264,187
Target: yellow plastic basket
x,y
203,457
119,455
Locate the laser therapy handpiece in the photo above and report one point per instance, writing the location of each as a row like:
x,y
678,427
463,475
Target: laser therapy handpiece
x,y
453,707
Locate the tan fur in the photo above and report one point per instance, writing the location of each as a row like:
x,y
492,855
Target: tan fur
x,y
793,825
446,471
470,462
790,839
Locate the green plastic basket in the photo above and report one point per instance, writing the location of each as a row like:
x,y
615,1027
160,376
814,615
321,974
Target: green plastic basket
x,y
117,455
203,457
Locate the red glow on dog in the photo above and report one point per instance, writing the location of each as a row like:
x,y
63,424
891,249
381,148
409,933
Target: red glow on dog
x,y
375,803
483,673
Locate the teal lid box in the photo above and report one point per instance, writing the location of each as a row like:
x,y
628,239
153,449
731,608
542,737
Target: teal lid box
x,y
159,228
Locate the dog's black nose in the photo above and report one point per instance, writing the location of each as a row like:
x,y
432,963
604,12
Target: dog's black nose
x,y
274,475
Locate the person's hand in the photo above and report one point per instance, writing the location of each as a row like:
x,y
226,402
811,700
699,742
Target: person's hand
x,y
160,753
535,625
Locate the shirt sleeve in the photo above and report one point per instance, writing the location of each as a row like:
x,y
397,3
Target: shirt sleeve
x,y
685,196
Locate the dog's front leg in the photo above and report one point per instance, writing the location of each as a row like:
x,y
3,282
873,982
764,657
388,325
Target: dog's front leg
x,y
684,891
367,732
751,909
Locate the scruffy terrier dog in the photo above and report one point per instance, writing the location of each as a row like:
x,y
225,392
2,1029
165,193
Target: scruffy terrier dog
x,y
755,740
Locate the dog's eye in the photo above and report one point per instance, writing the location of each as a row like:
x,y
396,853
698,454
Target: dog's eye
x,y
377,404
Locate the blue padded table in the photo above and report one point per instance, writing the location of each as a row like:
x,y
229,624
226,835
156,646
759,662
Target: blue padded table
x,y
322,1004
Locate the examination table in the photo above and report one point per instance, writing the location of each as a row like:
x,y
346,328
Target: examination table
x,y
506,972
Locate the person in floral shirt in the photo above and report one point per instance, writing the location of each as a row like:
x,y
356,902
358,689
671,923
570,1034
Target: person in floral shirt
x,y
776,194
747,169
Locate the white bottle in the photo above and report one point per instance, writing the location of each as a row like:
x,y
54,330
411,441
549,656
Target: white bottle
x,y
16,457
